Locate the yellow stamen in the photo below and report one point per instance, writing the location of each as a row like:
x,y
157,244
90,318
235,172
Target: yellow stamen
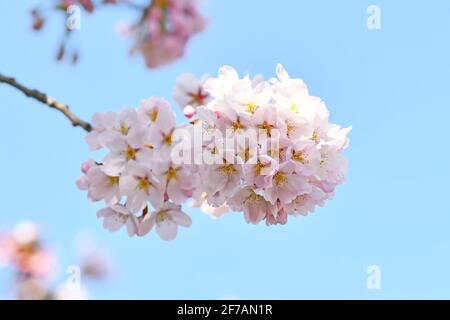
x,y
300,157
171,173
167,139
300,199
324,158
315,136
228,169
253,197
251,107
266,127
259,166
143,184
237,126
161,3
113,180
153,115
130,154
161,215
279,178
245,154
289,127
123,129
294,108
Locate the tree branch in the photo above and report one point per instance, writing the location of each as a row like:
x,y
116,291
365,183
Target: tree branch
x,y
43,98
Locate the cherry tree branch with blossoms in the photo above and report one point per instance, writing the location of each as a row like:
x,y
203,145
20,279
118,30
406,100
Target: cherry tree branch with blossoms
x,y
161,31
47,100
264,148
285,157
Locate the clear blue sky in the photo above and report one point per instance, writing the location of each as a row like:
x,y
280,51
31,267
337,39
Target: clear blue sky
x,y
391,84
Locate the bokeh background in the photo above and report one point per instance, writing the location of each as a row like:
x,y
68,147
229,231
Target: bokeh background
x,y
391,84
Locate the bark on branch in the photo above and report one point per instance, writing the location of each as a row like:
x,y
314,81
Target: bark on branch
x,y
45,99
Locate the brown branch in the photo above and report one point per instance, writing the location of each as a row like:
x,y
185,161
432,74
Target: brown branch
x,y
42,97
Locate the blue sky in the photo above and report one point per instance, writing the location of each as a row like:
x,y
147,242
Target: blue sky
x,y
391,84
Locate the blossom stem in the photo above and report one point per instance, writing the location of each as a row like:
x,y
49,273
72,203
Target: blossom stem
x,y
45,99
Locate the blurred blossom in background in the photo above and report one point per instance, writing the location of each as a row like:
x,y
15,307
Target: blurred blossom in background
x,y
32,266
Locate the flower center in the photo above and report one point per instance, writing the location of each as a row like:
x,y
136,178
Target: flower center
x,y
315,136
143,184
259,166
266,127
113,180
251,107
130,154
245,154
167,139
171,173
123,129
228,169
280,179
300,157
290,127
301,199
294,108
253,197
161,215
324,159
237,126
153,115
198,98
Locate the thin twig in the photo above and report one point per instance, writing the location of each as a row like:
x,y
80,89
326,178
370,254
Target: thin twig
x,y
42,97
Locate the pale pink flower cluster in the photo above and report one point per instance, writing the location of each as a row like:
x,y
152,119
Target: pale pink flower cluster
x,y
22,249
293,163
165,30
139,184
33,264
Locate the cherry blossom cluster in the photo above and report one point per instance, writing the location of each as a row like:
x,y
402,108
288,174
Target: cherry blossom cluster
x,y
34,265
161,32
274,151
139,184
22,248
165,29
264,148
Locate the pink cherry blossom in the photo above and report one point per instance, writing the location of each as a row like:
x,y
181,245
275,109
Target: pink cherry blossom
x,y
286,184
254,206
164,32
166,220
221,182
140,186
305,156
99,185
117,216
125,149
156,111
189,93
178,181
